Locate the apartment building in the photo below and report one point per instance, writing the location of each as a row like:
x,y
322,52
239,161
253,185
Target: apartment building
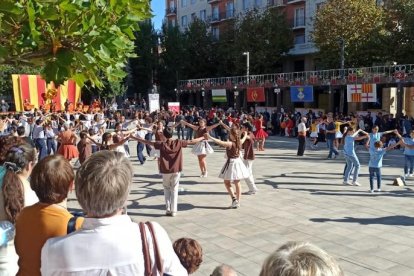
x,y
299,14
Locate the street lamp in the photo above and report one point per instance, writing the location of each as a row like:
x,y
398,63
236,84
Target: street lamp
x,y
236,93
277,91
203,92
247,54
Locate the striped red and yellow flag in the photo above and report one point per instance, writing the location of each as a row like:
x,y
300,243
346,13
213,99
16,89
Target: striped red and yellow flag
x,y
356,97
367,88
33,88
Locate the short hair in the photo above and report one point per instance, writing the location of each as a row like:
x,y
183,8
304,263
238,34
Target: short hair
x,y
248,126
102,183
224,270
378,144
83,134
300,259
20,130
168,132
51,179
190,253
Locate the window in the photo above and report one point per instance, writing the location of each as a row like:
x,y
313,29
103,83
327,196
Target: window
x,y
299,39
193,17
229,9
203,15
215,32
257,3
245,4
215,13
184,22
172,4
183,3
299,17
193,2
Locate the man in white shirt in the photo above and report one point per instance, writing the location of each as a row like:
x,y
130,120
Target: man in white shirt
x,y
108,243
39,138
302,136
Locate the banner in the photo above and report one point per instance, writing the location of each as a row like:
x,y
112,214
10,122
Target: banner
x,y
301,94
153,102
219,95
256,94
32,90
174,106
362,93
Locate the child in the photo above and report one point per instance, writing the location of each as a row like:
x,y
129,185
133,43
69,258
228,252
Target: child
x,y
190,253
375,163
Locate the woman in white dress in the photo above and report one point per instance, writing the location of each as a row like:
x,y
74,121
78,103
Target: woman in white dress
x,y
201,149
234,169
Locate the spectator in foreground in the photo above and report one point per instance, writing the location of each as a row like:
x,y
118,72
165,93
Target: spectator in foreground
x,y
300,259
108,241
51,180
224,270
190,253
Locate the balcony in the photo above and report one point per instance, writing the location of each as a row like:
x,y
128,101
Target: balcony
x,y
222,16
295,1
213,1
298,23
275,3
172,11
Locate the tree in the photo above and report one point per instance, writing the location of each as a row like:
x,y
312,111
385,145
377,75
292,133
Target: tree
x,y
6,84
359,23
266,35
71,38
142,67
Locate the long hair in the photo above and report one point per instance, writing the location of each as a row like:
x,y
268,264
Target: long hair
x,y
17,159
235,137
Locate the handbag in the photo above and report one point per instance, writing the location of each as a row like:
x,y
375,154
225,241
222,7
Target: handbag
x,y
145,250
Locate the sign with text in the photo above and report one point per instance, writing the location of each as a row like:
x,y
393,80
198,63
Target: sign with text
x,y
154,102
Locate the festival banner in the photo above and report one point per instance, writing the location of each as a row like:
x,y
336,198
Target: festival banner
x,y
32,91
153,102
219,95
362,93
301,94
174,106
256,94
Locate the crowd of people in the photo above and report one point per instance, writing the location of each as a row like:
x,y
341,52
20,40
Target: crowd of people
x,y
38,153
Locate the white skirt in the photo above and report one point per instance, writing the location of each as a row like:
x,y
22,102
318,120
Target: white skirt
x,y
234,169
122,149
202,148
338,135
314,134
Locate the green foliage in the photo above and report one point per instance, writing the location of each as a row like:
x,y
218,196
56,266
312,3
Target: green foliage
x,y
71,38
360,23
6,84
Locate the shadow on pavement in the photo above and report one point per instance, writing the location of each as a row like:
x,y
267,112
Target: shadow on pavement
x,y
390,220
407,192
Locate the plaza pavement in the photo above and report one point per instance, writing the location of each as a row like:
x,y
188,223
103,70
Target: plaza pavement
x,y
300,198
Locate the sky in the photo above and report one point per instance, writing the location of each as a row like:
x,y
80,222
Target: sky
x,y
158,10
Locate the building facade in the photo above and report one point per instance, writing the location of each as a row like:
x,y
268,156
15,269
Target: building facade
x,y
299,14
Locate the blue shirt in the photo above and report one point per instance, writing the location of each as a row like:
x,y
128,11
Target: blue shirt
x,y
2,173
409,141
374,137
349,145
375,157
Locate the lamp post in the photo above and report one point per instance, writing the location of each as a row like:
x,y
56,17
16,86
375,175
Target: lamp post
x,y
176,94
247,54
236,93
341,42
203,92
278,100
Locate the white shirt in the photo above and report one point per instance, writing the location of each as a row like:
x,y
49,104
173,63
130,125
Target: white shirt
x,y
38,132
109,246
302,127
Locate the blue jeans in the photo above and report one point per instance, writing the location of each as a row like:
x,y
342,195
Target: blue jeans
x,y
332,149
351,160
409,161
148,137
140,149
51,146
41,147
180,130
372,173
189,134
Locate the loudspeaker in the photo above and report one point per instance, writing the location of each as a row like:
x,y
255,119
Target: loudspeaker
x,y
398,182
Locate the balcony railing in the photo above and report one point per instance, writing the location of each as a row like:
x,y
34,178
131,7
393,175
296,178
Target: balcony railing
x,y
275,3
295,1
171,11
217,17
213,1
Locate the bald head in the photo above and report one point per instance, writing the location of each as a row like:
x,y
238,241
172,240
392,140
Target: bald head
x,y
224,270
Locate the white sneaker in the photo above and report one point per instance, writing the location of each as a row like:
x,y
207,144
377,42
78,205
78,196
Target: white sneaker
x,y
205,174
251,192
235,204
351,177
411,175
346,183
356,183
371,191
406,175
379,190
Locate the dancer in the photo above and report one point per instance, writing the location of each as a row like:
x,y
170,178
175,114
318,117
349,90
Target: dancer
x,y
84,147
67,141
375,136
330,138
314,129
408,143
338,134
260,134
202,148
375,164
107,142
302,136
233,170
171,165
350,155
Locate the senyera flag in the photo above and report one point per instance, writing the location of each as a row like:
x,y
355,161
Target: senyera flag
x,y
34,89
256,94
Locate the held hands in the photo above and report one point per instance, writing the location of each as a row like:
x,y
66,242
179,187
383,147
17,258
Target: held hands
x,y
206,136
